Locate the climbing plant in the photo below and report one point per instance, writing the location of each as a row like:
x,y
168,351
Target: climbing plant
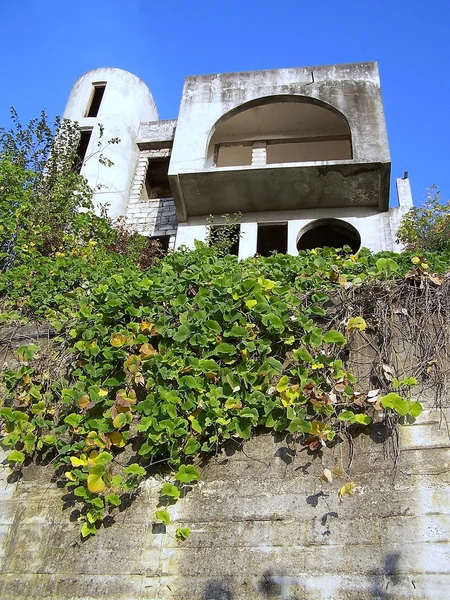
x,y
156,365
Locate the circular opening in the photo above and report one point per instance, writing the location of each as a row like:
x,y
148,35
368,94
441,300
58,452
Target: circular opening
x,y
333,233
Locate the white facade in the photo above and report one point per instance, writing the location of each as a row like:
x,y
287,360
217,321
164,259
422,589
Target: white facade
x,y
295,149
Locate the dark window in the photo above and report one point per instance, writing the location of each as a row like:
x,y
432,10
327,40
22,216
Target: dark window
x,y
233,233
272,238
157,180
83,144
333,233
163,242
97,96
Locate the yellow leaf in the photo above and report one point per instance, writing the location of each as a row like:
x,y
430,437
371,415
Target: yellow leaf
x,y
244,355
415,260
347,489
84,401
286,399
250,304
233,403
118,340
79,462
102,393
95,483
356,323
92,456
117,439
70,476
147,350
316,366
94,439
146,326
338,471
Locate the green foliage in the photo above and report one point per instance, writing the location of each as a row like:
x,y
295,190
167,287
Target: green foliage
x,y
170,362
427,228
224,237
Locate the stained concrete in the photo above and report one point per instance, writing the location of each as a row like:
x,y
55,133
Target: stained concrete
x,y
263,525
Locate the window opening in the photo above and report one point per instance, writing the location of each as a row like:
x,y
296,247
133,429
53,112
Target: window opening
x,y
271,238
157,179
333,233
97,96
294,128
233,232
85,136
163,242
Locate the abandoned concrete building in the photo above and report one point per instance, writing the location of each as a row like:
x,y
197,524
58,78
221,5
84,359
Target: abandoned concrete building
x,y
301,153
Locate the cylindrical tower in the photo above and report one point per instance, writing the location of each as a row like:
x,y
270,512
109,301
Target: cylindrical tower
x,y
118,101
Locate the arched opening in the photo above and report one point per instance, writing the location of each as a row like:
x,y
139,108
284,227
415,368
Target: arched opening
x,y
333,233
280,129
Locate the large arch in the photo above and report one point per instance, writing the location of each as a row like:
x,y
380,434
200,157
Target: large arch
x,y
279,129
333,233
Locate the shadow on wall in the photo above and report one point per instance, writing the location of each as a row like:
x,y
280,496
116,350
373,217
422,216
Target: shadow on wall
x,y
281,587
388,576
218,589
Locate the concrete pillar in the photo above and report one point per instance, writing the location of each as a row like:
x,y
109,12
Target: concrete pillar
x,y
248,241
404,193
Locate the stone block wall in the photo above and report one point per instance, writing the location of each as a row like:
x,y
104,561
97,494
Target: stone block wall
x,y
156,217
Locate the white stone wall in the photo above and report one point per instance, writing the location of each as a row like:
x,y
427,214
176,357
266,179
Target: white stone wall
x,y
377,230
126,102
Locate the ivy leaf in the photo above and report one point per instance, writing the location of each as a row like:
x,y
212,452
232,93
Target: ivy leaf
x,y
113,499
303,354
163,516
225,350
356,323
73,420
283,383
88,529
170,490
347,490
415,409
214,326
95,483
120,420
334,337
118,340
182,333
191,446
117,439
395,402
182,533
135,469
26,353
187,473
16,457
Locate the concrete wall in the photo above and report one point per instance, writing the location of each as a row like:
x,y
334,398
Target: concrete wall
x,y
126,102
263,525
352,89
377,230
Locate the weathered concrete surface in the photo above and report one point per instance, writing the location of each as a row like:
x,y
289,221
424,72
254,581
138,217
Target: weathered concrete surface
x,y
127,102
263,525
353,90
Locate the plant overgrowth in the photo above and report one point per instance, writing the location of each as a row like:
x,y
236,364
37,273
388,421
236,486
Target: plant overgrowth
x,y
163,364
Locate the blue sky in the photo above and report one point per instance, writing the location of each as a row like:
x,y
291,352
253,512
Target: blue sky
x,y
47,44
